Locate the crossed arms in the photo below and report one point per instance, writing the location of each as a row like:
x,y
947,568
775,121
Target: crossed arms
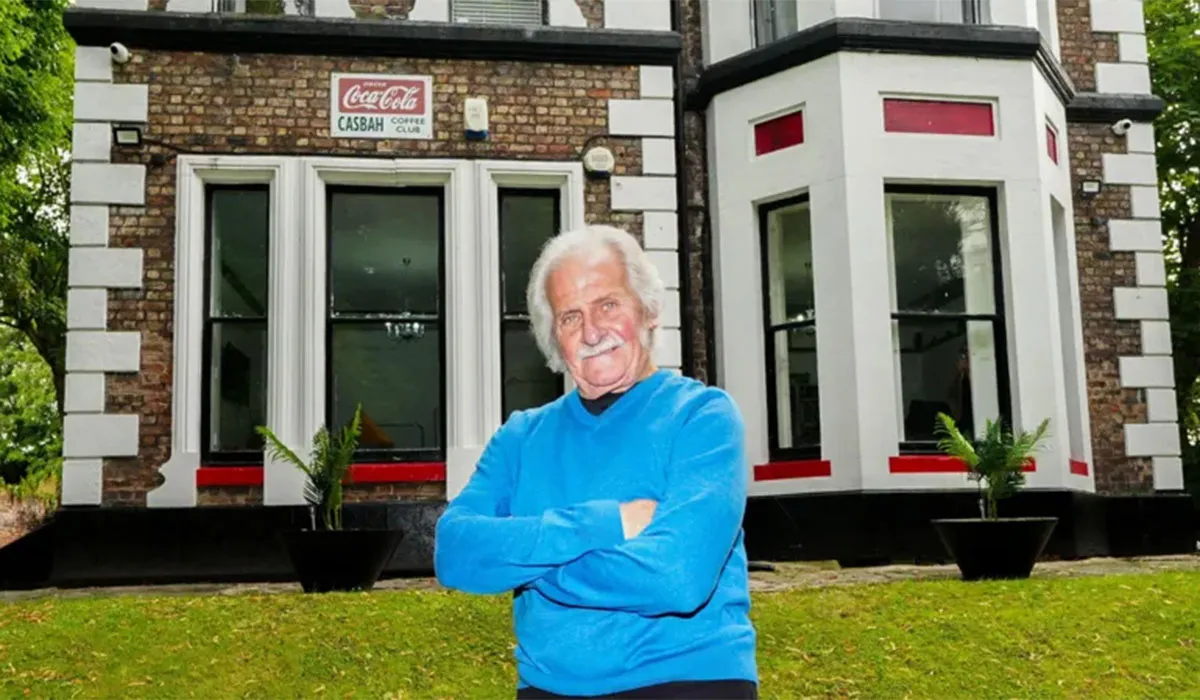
x,y
579,555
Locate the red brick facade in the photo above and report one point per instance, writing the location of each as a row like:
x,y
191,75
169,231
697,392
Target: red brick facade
x,y
1101,270
278,104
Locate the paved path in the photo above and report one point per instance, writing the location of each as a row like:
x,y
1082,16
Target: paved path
x,y
786,576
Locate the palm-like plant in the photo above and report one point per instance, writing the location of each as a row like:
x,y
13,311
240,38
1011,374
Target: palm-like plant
x,y
328,466
995,460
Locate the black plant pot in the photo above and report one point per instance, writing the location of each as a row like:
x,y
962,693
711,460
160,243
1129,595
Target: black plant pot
x,y
339,560
1005,548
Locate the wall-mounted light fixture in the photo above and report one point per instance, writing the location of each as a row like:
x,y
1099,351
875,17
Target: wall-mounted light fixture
x,y
1089,188
127,135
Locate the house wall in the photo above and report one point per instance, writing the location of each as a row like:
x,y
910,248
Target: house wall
x,y
126,204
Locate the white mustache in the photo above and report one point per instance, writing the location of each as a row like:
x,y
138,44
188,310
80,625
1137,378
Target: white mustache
x,y
608,342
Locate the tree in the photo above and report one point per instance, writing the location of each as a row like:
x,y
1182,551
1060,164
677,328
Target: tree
x,y
30,424
36,66
1173,40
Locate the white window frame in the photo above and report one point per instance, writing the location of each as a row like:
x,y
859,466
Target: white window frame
x,y
297,288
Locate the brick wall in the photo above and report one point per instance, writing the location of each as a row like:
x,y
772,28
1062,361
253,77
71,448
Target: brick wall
x,y
382,9
1080,48
278,104
1100,269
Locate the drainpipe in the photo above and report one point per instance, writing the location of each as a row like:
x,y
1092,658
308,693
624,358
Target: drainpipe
x,y
682,207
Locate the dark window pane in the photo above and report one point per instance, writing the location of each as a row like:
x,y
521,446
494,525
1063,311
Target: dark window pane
x,y
942,253
528,383
527,221
238,385
384,251
394,370
797,411
238,252
789,254
948,366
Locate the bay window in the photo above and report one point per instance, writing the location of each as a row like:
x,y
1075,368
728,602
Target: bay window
x,y
954,11
948,326
385,319
234,393
794,427
528,218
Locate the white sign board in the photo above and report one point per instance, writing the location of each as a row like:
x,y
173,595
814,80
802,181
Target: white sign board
x,y
366,106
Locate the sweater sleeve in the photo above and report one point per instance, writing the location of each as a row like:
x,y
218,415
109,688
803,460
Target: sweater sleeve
x,y
479,547
673,566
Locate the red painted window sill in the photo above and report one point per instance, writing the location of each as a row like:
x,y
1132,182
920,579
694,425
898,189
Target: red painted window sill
x,y
798,469
1079,467
359,473
935,464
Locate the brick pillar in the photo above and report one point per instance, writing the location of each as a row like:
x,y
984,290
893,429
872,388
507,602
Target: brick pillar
x,y
1135,439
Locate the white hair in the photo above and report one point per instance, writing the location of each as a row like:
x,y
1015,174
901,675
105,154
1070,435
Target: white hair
x,y
593,243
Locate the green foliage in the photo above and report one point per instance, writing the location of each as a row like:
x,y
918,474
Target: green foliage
x,y
36,83
327,468
30,427
264,7
1052,638
993,461
37,60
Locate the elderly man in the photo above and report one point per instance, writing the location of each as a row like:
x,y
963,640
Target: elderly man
x,y
615,512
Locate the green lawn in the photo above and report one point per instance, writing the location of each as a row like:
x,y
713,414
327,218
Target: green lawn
x,y
1130,636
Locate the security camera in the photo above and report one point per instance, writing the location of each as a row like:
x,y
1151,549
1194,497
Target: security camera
x,y
120,54
1122,127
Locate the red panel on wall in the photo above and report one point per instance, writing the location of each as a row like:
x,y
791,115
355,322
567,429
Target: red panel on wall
x,y
1079,467
798,469
935,117
935,464
779,133
1052,143
360,473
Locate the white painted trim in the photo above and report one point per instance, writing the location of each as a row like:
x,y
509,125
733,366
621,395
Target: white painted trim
x,y
108,183
1135,235
114,268
430,11
1117,16
82,482
643,193
564,13
1123,78
656,82
462,382
87,309
638,14
1146,372
1168,473
1140,303
1129,169
93,64
91,141
109,102
192,173
658,156
1152,439
89,224
1156,338
99,435
1161,406
660,229
641,118
104,351
1145,202
1151,269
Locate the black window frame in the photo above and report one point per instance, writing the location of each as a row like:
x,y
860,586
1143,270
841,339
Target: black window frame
x,y
372,455
509,319
774,451
998,317
209,456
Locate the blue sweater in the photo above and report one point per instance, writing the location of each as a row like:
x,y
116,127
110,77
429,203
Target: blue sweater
x,y
594,613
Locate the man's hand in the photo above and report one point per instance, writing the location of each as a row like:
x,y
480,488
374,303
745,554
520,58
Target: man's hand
x,y
636,515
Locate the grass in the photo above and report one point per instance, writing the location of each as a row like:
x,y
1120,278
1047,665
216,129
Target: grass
x,y
1120,636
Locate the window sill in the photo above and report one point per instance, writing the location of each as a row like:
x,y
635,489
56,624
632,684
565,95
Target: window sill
x,y
400,472
935,464
793,469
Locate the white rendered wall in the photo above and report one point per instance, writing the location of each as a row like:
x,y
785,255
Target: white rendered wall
x,y
844,165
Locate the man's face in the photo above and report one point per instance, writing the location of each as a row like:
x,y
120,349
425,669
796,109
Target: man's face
x,y
599,324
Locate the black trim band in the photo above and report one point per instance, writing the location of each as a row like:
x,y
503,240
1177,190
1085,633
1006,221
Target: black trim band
x,y
880,36
1097,108
327,36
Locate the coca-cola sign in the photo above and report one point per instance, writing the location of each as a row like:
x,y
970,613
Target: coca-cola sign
x,y
381,106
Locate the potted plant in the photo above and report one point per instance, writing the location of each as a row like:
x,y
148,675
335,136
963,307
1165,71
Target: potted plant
x,y
991,547
328,557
